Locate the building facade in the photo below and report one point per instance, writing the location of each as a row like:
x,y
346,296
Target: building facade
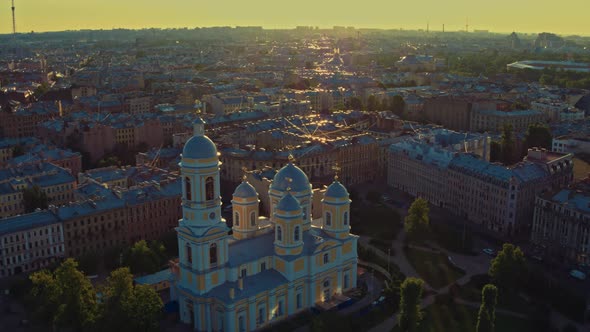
x,y
561,224
264,272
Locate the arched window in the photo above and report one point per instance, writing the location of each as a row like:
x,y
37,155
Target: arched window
x,y
209,189
328,219
213,254
326,258
189,254
236,219
279,233
305,213
345,218
188,189
252,218
296,236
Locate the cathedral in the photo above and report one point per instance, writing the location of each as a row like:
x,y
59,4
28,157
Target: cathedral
x,y
267,269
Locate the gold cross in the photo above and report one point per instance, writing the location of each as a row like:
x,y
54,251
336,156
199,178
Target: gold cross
x,y
245,170
291,158
289,185
337,170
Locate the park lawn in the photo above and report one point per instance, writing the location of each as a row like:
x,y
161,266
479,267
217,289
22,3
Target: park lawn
x,y
507,301
455,317
379,222
434,268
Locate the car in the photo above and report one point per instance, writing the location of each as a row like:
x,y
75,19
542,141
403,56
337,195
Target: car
x,y
489,252
578,274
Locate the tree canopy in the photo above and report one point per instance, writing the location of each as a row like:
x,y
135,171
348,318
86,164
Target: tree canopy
x,y
144,258
417,222
507,267
34,198
127,307
538,136
486,317
65,297
410,313
397,105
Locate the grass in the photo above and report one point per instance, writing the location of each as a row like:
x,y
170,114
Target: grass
x,y
455,317
379,222
370,256
507,301
383,245
434,268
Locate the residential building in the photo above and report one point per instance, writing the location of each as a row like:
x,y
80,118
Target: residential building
x,y
561,224
495,120
30,242
57,183
499,198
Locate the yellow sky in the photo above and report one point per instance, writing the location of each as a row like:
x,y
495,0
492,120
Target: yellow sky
x,y
564,16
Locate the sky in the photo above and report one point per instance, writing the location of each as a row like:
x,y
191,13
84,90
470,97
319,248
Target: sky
x,y
562,17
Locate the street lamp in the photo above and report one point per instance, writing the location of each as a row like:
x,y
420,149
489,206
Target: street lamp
x,y
388,258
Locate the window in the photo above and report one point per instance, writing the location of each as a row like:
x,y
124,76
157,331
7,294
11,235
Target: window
x,y
346,281
326,258
305,213
209,189
189,254
252,218
241,325
296,235
188,189
261,315
236,219
262,266
299,301
345,218
280,310
328,219
279,233
213,254
243,273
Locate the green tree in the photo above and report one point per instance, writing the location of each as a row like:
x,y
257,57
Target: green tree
x,y
128,307
65,297
507,267
145,309
538,136
355,103
507,144
372,103
486,317
410,313
116,299
109,161
34,198
398,105
495,151
144,258
417,222
17,151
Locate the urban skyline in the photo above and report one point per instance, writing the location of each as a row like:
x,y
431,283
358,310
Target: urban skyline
x,y
500,16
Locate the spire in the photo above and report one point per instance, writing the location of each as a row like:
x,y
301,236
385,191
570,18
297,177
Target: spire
x,y
198,127
336,168
244,176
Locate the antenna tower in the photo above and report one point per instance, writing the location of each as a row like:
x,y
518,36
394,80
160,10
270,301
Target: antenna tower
x,y
13,20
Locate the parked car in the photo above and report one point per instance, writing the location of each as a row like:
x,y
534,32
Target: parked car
x,y
578,274
489,252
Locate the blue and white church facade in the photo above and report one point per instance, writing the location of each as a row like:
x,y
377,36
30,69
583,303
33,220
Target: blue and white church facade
x,y
267,270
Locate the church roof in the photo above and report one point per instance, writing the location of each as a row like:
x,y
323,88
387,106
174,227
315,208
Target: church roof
x,y
245,190
288,203
199,147
290,176
336,190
